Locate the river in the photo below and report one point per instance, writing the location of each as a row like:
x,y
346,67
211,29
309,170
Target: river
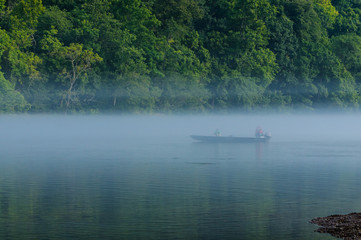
x,y
143,177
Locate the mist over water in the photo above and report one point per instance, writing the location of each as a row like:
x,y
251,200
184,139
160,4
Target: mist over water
x,y
297,127
143,177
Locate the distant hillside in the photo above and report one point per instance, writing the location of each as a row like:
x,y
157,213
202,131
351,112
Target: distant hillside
x,y
184,55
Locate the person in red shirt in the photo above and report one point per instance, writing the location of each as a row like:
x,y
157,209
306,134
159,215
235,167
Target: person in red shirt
x,y
259,132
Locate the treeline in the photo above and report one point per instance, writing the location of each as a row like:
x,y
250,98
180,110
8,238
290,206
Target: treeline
x,y
179,55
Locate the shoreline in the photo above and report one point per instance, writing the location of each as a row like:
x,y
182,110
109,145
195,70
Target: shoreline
x,y
346,226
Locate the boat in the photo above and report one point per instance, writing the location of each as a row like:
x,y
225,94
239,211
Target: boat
x,y
230,139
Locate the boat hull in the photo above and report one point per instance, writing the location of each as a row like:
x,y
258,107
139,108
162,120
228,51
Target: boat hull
x,y
230,139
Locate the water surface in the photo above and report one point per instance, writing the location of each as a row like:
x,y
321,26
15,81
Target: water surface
x,y
143,177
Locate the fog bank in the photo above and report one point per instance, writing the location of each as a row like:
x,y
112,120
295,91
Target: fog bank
x,y
282,127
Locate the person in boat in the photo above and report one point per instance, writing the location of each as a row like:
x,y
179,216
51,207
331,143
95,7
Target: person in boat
x,y
259,132
217,133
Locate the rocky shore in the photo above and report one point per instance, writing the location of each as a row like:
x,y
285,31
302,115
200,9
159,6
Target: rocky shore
x,y
341,226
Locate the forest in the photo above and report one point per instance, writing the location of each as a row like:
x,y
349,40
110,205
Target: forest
x,y
156,56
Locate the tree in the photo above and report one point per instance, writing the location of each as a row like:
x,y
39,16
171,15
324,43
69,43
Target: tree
x,y
11,100
239,93
79,62
23,21
181,92
135,93
348,19
137,19
177,17
348,49
70,63
236,35
284,44
304,40
327,12
60,20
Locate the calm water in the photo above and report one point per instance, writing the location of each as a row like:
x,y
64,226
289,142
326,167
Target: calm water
x,y
144,178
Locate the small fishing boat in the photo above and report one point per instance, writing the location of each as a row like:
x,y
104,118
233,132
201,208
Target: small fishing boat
x,y
230,139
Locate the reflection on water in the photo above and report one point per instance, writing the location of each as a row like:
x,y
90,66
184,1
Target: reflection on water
x,y
112,186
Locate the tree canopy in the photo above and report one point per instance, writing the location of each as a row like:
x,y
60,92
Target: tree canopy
x,y
187,55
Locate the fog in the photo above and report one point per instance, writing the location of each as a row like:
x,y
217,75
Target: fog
x,y
289,127
142,176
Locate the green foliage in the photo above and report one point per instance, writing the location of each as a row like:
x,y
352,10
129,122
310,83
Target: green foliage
x,y
135,18
177,17
307,23
285,45
135,93
77,63
19,66
60,20
11,101
259,64
24,20
240,92
2,5
5,42
348,20
153,55
28,11
348,49
182,93
327,12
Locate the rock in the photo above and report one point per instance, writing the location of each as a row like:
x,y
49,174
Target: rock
x,y
342,226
